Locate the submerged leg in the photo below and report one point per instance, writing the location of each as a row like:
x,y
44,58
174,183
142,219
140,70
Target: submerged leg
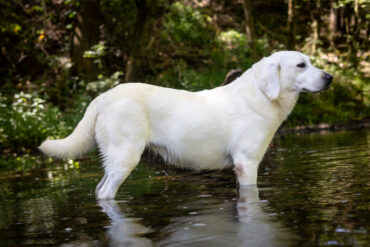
x,y
118,165
100,184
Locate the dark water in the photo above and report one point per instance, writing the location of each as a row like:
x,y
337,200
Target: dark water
x,y
313,190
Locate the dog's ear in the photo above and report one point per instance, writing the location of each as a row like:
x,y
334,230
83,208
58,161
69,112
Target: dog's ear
x,y
269,81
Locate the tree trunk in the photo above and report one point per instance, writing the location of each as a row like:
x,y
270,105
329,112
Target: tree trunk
x,y
86,34
318,17
355,34
316,26
249,27
332,24
133,70
291,25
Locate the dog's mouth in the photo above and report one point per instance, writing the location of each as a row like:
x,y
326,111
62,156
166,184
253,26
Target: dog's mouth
x,y
327,86
305,90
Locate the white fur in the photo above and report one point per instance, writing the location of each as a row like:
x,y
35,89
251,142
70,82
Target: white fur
x,y
210,129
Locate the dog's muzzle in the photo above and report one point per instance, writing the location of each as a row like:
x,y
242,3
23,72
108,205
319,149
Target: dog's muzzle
x,y
328,79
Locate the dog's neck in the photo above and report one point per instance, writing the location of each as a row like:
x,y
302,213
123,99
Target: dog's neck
x,y
279,109
285,103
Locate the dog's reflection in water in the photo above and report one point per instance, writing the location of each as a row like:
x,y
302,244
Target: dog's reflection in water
x,y
124,231
257,227
217,224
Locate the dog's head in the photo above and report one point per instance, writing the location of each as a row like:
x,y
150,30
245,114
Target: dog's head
x,y
290,71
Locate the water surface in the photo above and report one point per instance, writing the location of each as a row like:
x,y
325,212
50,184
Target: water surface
x,y
313,190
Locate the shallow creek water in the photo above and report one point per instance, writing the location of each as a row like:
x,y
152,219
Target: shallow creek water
x,y
313,190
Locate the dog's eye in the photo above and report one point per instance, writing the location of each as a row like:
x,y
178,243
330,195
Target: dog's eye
x,y
301,65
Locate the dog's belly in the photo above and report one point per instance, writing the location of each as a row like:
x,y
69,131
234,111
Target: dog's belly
x,y
207,160
198,158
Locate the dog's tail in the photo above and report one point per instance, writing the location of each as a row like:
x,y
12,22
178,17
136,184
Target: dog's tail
x,y
79,142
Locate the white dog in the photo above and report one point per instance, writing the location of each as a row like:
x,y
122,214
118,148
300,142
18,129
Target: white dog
x,y
210,129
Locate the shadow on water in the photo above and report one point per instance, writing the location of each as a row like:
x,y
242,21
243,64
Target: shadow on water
x,y
313,190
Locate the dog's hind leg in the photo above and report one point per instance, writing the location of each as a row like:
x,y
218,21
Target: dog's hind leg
x,y
121,133
118,164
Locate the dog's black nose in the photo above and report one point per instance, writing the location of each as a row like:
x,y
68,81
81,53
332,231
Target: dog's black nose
x,y
328,78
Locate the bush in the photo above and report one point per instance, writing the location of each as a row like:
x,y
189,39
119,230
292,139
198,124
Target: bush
x,y
26,120
187,26
231,50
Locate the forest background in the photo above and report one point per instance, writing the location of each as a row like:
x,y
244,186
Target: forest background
x,y
56,55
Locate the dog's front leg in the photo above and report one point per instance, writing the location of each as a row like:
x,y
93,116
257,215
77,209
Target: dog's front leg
x,y
246,170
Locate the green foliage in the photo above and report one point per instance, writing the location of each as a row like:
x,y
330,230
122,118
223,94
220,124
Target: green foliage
x,y
120,18
97,52
30,162
184,76
28,120
28,32
232,50
187,26
104,82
